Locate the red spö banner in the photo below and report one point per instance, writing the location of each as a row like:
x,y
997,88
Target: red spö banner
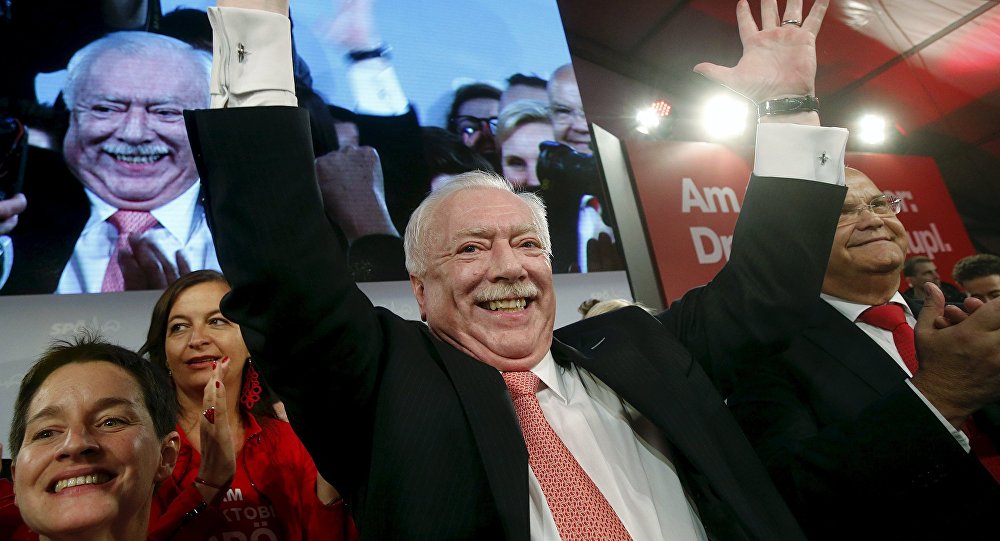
x,y
691,195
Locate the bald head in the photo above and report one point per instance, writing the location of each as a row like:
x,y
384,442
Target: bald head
x,y
568,119
868,247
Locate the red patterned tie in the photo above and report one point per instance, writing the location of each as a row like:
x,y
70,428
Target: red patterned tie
x,y
891,317
579,509
126,222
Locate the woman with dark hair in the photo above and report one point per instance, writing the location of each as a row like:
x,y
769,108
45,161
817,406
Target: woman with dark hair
x,y
92,435
241,473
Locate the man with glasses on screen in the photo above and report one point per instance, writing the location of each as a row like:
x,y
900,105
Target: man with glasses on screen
x,y
853,429
473,117
566,110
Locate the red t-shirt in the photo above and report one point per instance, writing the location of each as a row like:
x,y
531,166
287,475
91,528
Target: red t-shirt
x,y
11,526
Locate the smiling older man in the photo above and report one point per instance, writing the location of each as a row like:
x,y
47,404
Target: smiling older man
x,y
483,423
131,218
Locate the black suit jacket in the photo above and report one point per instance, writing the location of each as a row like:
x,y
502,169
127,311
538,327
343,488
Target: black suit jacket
x,y
48,229
854,450
421,439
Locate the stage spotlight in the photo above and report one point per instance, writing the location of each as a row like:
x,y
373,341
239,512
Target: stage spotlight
x,y
724,117
871,129
650,119
646,119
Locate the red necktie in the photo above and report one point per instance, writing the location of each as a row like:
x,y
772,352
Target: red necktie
x,y
579,509
891,317
127,222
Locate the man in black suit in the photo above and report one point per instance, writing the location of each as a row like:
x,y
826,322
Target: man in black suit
x,y
859,445
414,423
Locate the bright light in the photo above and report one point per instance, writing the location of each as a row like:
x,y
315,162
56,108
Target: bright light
x,y
647,119
724,117
871,129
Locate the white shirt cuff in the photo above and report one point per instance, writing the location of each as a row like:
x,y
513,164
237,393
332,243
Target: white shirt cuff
x,y
798,151
959,436
252,58
376,87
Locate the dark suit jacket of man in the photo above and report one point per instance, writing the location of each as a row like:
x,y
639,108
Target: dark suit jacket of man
x,y
420,438
47,231
856,453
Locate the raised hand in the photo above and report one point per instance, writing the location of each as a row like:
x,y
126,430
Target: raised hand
x,y
354,26
779,60
218,456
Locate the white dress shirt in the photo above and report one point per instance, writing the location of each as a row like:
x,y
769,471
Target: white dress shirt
x,y
631,466
625,456
882,337
182,226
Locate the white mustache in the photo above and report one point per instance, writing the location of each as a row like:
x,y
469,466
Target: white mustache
x,y
125,149
507,290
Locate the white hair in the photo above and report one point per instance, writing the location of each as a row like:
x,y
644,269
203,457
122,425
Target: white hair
x,y
133,43
418,237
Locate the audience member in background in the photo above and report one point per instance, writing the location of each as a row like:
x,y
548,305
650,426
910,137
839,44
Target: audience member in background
x,y
92,436
863,443
566,107
919,270
520,129
446,156
230,439
131,219
979,276
524,87
473,117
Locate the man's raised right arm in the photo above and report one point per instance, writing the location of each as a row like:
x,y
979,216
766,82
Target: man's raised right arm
x,y
315,334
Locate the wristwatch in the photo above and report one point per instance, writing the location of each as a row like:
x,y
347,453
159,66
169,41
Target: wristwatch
x,y
787,106
382,51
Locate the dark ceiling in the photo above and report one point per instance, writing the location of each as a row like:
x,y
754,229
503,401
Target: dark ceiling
x,y
931,66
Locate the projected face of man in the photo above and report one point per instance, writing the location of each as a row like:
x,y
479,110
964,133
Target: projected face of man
x,y
126,140
568,119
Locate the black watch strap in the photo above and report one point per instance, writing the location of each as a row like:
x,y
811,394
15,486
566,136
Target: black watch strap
x,y
382,51
787,106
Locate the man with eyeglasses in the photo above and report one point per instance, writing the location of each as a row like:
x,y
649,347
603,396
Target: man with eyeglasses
x,y
566,110
473,117
862,439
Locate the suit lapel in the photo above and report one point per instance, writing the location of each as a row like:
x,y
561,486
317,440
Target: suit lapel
x,y
842,340
495,428
686,412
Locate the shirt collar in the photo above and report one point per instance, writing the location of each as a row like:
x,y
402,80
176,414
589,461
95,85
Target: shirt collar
x,y
551,375
853,310
177,216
